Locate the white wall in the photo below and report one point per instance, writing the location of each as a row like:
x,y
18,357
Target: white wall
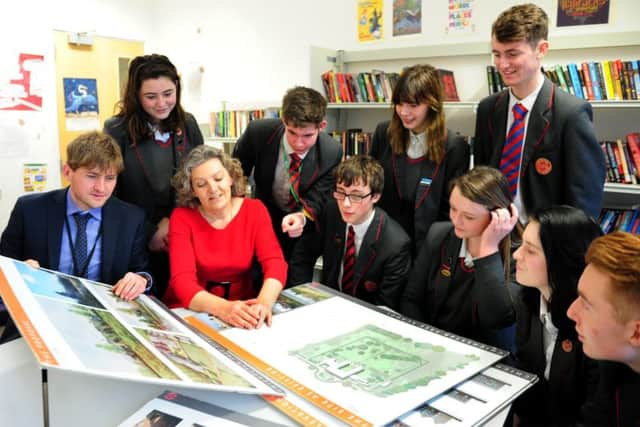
x,y
27,27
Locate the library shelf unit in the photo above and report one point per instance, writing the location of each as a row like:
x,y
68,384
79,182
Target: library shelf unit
x,y
612,119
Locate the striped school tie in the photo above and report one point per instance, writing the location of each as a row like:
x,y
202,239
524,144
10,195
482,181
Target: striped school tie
x,y
512,150
349,262
294,180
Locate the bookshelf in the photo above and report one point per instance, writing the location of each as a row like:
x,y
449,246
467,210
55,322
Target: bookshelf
x,y
612,119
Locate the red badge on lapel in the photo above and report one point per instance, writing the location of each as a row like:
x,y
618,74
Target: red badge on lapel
x,y
567,346
370,286
543,166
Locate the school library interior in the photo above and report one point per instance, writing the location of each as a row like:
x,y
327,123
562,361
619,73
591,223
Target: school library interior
x,y
354,213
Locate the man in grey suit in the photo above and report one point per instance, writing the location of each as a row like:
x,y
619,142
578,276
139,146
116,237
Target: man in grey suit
x,y
559,160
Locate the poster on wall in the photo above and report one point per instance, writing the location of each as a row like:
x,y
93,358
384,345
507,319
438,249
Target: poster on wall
x,y
460,17
370,22
582,12
80,104
34,177
407,17
21,83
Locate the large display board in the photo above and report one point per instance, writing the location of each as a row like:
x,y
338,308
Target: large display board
x,y
80,325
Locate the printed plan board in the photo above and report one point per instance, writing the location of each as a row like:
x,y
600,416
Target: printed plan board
x,y
363,366
473,402
78,325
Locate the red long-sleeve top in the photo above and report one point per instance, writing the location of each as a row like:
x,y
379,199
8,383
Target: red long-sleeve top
x,y
199,253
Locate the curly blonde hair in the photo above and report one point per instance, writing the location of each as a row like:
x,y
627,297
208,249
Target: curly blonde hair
x,y
203,153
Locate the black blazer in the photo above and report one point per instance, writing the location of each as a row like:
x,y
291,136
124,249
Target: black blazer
x,y
489,304
36,225
562,162
137,184
572,377
383,262
431,201
616,402
258,148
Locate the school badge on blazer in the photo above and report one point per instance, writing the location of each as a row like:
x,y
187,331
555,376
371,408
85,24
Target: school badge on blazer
x,y
543,166
370,286
567,346
445,270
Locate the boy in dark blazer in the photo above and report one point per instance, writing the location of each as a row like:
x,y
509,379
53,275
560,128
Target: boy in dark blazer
x,y
607,316
292,161
44,228
560,161
378,270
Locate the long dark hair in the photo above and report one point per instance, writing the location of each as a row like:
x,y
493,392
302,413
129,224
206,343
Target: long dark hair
x,y
144,68
565,234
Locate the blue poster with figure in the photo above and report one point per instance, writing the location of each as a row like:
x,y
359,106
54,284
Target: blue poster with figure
x,y
80,103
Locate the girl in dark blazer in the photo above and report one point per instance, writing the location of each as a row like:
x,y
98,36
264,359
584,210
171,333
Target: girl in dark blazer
x,y
548,265
461,279
154,133
419,154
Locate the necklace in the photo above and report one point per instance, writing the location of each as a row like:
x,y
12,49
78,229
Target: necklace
x,y
219,222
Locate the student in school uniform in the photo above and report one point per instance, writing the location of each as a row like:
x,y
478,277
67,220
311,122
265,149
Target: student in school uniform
x,y
548,264
418,153
154,133
82,230
292,161
462,280
538,135
365,253
607,316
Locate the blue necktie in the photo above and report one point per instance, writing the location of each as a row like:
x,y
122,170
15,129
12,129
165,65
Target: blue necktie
x,y
512,150
80,245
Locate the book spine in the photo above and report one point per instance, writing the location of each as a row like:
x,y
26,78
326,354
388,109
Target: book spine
x,y
633,144
614,163
576,81
601,82
624,147
636,76
607,161
622,160
595,83
631,85
606,70
560,74
587,81
617,83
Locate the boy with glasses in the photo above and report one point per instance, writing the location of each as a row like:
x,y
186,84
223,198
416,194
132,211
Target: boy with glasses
x,y
365,253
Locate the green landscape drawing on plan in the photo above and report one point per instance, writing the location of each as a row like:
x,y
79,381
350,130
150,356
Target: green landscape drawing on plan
x,y
379,362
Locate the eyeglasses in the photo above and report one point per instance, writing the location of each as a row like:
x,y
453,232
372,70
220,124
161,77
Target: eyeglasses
x,y
353,198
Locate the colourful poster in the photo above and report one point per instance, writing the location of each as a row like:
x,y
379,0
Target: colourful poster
x,y
80,104
370,22
460,16
34,177
21,83
582,12
407,17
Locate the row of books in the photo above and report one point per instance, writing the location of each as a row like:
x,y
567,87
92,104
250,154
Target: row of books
x,y
231,123
623,159
622,220
375,86
353,141
494,80
612,80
